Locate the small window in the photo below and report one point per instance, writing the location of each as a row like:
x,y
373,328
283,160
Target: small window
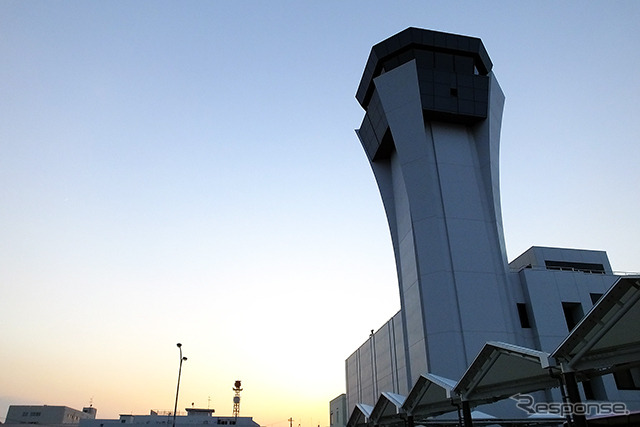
x,y
572,313
524,317
584,267
588,390
595,298
628,379
594,389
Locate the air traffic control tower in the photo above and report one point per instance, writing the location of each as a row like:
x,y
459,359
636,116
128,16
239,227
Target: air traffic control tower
x,y
431,133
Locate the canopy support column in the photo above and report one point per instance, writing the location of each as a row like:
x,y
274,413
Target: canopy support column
x,y
466,414
573,394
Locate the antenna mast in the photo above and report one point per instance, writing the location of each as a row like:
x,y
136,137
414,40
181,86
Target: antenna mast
x,y
236,399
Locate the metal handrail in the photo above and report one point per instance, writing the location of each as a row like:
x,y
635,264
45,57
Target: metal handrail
x,y
582,270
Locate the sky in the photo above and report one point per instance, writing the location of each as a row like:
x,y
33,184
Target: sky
x,y
188,171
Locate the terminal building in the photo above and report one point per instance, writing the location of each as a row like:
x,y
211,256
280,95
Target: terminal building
x,y
63,416
48,415
431,133
194,417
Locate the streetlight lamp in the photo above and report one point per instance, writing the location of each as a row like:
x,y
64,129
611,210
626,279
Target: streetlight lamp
x,y
175,408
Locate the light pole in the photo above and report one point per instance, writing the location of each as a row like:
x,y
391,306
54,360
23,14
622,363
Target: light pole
x,y
175,408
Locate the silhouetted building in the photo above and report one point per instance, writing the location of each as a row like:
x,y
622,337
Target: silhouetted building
x,y
47,415
195,416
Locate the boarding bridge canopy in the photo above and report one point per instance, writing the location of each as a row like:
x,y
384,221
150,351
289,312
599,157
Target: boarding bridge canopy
x,y
430,396
389,405
501,370
608,337
360,415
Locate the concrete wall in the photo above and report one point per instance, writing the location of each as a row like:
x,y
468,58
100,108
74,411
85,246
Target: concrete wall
x,y
378,365
442,205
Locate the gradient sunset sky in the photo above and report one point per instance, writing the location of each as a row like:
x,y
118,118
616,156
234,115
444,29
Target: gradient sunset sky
x,y
188,171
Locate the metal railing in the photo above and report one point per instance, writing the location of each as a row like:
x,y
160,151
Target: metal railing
x,y
162,412
574,269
